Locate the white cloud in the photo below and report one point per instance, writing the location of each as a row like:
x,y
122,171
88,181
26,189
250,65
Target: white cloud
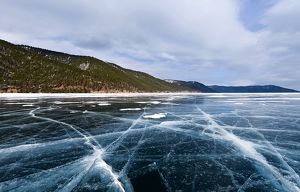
x,y
281,42
243,82
197,40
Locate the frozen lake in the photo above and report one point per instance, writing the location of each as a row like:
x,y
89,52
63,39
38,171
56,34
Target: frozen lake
x,y
150,142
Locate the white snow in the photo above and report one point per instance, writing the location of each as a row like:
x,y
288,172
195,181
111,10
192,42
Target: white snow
x,y
155,116
28,105
155,102
131,109
170,81
149,102
14,96
238,103
19,103
84,66
64,102
104,104
23,96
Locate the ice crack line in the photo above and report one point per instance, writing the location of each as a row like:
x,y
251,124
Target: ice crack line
x,y
114,145
274,152
97,160
89,139
248,149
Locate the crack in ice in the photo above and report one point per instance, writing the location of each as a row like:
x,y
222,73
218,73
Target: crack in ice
x,y
97,160
248,149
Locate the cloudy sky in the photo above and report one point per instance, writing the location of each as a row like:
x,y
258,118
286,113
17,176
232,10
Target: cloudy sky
x,y
227,42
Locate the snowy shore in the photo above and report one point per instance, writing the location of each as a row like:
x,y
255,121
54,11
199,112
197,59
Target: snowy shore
x,y
87,95
74,95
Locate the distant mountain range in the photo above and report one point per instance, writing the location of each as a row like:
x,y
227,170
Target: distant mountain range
x,y
251,89
28,69
199,87
193,85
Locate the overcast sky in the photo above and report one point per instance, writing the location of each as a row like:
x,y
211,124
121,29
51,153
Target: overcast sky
x,y
226,42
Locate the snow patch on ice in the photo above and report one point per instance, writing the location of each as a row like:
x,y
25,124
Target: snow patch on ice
x,y
238,103
155,102
19,103
149,102
156,116
169,103
28,105
131,109
63,102
103,104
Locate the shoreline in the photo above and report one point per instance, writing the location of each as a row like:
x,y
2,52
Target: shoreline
x,y
86,95
91,95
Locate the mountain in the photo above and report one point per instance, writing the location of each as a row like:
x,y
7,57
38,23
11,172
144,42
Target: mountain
x,y
251,89
29,69
192,85
195,86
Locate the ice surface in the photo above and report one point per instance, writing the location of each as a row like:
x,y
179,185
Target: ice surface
x,y
150,142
